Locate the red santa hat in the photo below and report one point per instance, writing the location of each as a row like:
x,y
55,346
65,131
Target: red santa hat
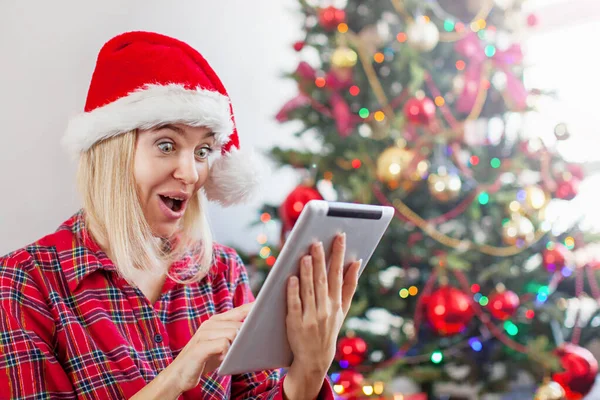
x,y
145,79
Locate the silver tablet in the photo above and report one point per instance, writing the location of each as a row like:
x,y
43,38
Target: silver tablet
x,y
262,341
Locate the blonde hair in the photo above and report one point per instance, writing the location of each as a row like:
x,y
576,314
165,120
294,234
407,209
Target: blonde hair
x,y
115,218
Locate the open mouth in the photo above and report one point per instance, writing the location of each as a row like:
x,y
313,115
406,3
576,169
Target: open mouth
x,y
172,203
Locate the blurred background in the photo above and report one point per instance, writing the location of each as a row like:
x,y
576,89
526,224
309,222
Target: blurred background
x,y
475,119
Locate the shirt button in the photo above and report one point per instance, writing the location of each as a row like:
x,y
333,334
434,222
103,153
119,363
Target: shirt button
x,y
158,338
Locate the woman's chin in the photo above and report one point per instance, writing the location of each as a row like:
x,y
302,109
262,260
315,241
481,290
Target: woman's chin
x,y
165,230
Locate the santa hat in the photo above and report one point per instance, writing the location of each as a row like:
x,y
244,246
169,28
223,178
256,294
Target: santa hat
x,y
145,79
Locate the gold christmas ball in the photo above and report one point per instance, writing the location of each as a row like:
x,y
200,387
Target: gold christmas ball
x,y
344,57
444,186
534,198
422,35
392,162
518,229
550,391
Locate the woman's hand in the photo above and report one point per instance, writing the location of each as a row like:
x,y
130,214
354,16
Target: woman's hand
x,y
206,350
317,306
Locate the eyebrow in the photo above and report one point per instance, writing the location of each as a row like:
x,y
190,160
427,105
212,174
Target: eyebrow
x,y
180,131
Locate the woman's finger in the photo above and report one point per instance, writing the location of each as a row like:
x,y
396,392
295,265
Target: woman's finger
x,y
294,305
349,286
307,291
219,332
320,280
212,353
336,265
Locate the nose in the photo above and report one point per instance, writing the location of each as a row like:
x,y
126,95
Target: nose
x,y
186,170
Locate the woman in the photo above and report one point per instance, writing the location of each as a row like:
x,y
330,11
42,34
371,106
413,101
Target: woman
x,y
130,298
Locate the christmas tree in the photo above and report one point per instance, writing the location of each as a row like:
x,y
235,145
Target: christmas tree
x,y
421,105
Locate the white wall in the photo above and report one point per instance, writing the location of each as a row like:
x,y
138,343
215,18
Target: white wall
x,y
47,55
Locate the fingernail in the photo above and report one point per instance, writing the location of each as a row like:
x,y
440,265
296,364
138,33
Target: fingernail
x,y
342,238
360,262
306,261
293,282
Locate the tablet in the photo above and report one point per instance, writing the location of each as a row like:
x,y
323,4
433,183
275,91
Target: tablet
x,y
262,340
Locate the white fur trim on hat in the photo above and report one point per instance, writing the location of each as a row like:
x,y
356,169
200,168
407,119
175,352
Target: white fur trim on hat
x,y
148,107
234,178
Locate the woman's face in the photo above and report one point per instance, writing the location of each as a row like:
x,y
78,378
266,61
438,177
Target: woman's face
x,y
170,166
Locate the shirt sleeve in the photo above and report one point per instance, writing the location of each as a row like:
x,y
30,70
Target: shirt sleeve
x,y
266,384
28,367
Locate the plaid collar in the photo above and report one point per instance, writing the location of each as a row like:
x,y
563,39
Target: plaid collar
x,y
80,255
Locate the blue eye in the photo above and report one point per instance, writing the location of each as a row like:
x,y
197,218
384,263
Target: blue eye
x,y
203,152
166,147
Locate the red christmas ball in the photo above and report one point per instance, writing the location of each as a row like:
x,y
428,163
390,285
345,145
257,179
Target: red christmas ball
x,y
580,370
351,350
350,380
419,111
555,258
294,203
449,310
330,17
567,190
299,45
503,305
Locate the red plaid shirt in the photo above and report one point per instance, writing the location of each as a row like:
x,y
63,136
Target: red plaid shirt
x,y
70,327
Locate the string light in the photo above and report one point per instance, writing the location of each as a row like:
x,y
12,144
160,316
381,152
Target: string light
x,y
413,290
378,387
474,160
320,82
343,27
356,163
262,238
448,25
379,57
475,344
298,206
477,297
460,65
495,162
354,90
490,50
271,261
439,101
483,301
437,357
265,252
511,328
403,293
379,116
475,288
339,389
368,390
401,37
514,206
460,27
483,198
530,314
570,242
363,112
265,217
